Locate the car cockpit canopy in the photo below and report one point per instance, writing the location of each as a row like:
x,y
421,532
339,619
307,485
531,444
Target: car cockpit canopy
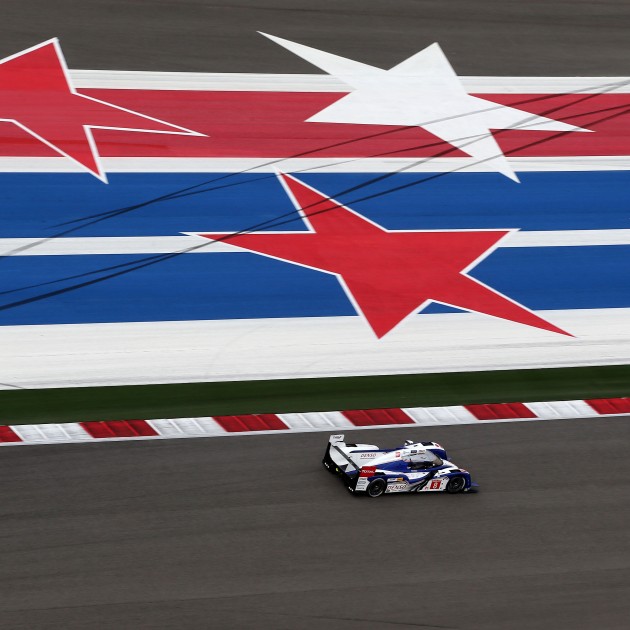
x,y
419,457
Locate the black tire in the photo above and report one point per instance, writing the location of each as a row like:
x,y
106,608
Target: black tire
x,y
376,488
455,485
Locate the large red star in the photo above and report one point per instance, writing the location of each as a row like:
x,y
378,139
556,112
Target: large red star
x,y
387,274
37,95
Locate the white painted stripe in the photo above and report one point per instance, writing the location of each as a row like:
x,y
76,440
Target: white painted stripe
x,y
430,416
46,433
27,433
198,351
316,420
76,431
269,165
172,244
166,427
561,409
140,80
567,238
183,427
111,245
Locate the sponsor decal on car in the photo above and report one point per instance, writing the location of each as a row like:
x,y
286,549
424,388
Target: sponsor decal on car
x,y
397,487
435,484
367,471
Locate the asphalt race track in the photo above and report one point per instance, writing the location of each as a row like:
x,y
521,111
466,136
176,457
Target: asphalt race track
x,y
251,532
485,37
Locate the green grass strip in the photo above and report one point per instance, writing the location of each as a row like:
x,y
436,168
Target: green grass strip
x,y
317,394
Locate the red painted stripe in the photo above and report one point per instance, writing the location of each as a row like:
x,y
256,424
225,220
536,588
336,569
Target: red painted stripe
x,y
259,124
119,428
607,406
375,417
500,411
142,427
7,434
97,429
253,422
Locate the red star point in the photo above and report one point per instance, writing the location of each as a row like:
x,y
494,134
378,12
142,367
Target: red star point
x,y
36,94
388,274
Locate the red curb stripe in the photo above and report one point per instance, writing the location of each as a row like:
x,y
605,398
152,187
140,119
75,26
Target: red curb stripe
x,y
606,406
500,411
374,417
142,427
253,422
7,434
119,428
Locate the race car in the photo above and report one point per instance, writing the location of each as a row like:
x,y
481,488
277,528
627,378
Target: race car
x,y
412,467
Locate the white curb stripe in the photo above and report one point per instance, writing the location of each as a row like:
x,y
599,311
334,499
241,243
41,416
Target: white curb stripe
x,y
186,427
561,409
50,433
428,416
321,421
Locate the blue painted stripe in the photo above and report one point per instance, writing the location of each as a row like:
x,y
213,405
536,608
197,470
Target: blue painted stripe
x,y
157,204
236,286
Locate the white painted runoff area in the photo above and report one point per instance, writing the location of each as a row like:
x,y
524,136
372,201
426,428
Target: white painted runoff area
x,y
196,351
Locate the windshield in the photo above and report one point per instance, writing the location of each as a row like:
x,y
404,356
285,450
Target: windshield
x,y
423,459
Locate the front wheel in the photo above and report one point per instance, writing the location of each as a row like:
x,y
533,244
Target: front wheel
x,y
455,485
376,488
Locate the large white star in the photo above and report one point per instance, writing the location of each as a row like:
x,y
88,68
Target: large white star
x,y
422,91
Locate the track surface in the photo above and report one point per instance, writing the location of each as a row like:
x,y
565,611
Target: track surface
x,y
485,37
254,533
251,532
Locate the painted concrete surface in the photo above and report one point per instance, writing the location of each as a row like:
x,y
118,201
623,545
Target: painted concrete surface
x,y
87,287
196,351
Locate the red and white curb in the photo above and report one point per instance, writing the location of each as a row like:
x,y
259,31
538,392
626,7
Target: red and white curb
x,y
116,430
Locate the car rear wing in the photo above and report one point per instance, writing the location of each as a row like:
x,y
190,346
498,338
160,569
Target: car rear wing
x,y
336,459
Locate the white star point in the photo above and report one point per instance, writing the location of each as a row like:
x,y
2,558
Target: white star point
x,y
422,91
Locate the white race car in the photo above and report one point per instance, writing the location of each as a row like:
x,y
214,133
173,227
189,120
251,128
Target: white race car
x,y
412,467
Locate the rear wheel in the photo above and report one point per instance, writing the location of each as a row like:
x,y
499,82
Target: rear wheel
x,y
455,485
376,488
